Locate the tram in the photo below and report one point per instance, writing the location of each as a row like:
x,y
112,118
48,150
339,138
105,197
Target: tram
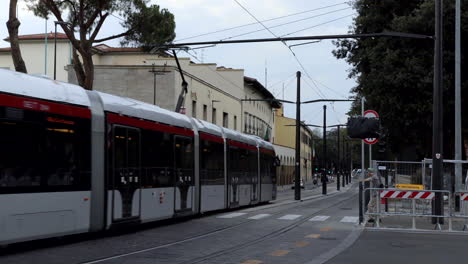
x,y
75,161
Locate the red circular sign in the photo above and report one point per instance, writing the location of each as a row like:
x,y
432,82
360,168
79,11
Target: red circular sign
x,y
371,114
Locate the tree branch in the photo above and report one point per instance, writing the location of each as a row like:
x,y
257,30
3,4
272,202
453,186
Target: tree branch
x,y
98,27
112,37
92,18
58,15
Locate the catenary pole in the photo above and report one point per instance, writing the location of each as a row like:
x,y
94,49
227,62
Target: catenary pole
x,y
437,139
458,138
297,178
338,164
344,180
361,176
324,172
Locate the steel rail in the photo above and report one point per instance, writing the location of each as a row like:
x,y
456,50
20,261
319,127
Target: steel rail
x,y
220,230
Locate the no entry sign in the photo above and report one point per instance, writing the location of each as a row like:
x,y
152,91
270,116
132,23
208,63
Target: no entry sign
x,y
371,114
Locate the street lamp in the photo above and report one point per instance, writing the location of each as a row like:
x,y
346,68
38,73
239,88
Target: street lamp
x,y
63,23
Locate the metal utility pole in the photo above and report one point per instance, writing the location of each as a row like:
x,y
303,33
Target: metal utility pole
x,y
346,157
437,133
297,179
338,164
324,173
458,138
343,162
361,176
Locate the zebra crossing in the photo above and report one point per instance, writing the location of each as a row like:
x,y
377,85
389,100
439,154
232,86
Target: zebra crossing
x,y
291,217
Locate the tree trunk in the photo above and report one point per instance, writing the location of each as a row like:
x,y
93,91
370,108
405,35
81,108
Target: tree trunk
x,y
13,25
88,70
78,67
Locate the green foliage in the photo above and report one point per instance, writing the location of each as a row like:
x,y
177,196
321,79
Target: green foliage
x,y
150,26
144,26
396,75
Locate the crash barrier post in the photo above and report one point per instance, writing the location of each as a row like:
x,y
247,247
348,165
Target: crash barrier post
x,y
463,208
406,194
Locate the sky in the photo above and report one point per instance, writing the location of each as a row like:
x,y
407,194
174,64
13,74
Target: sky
x,y
323,76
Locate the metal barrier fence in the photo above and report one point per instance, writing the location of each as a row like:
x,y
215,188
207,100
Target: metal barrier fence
x,y
420,204
400,172
449,170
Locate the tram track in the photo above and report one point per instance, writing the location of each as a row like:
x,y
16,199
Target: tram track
x,y
272,234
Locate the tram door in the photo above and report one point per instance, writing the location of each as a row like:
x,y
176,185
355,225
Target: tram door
x,y
126,170
184,179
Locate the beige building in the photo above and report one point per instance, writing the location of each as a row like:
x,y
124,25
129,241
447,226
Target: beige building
x,y
285,142
215,94
258,116
38,54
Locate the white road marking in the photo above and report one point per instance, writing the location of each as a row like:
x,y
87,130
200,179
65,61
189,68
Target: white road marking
x,y
259,216
232,215
350,219
319,218
289,217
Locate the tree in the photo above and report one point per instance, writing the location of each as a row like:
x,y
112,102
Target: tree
x,y
13,25
396,75
144,26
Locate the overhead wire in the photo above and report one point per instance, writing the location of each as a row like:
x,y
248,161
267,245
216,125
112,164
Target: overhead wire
x,y
315,88
267,20
327,87
287,23
317,25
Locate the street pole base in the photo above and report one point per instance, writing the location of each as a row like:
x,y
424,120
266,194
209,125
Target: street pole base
x,y
465,227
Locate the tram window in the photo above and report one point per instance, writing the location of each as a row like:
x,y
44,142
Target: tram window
x,y
20,155
267,168
253,163
43,153
211,163
183,148
184,153
157,159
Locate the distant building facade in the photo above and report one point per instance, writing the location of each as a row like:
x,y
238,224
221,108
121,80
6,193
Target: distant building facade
x,y
215,94
285,144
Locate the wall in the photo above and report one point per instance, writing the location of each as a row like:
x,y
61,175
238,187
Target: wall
x,y
33,53
285,172
257,116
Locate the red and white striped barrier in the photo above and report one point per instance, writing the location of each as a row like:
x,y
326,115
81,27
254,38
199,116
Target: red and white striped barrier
x,y
464,196
408,194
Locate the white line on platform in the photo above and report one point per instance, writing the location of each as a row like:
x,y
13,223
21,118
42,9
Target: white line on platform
x,y
289,217
232,215
259,216
350,219
319,218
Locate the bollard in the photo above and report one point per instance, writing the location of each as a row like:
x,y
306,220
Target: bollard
x,y
377,202
413,219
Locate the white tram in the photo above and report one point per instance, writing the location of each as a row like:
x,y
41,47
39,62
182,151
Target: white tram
x,y
75,161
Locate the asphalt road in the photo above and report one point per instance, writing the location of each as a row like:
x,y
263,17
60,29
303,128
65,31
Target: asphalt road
x,y
281,232
397,247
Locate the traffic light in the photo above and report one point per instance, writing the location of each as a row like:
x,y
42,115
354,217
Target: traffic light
x,y
361,127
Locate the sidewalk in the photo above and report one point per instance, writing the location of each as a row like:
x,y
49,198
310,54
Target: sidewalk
x,y
310,191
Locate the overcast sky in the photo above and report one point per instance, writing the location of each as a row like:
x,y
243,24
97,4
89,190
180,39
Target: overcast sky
x,y
196,17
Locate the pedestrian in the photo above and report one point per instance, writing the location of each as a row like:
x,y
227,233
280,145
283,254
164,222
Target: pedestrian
x,y
374,178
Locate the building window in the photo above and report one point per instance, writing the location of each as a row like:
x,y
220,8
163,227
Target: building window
x,y
213,116
225,120
235,122
194,109
205,112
